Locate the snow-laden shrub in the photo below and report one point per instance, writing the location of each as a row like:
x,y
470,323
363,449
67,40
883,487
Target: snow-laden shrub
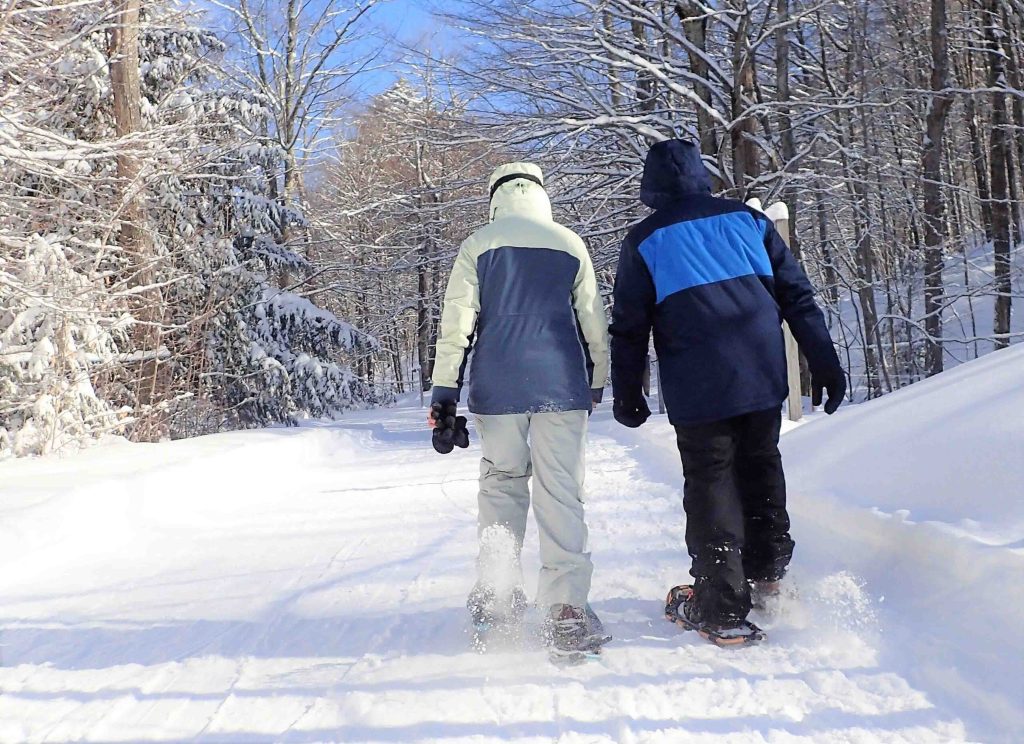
x,y
54,338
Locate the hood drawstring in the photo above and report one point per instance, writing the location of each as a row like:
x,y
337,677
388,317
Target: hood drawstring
x,y
512,177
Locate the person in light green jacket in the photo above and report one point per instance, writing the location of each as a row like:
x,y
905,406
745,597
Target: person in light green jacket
x,y
523,297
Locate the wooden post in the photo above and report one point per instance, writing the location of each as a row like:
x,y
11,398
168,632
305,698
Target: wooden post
x,y
779,214
793,375
661,394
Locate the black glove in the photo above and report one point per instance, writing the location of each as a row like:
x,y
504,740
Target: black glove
x,y
450,431
631,413
835,383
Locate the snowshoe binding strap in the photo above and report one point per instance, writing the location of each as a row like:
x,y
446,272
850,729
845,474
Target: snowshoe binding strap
x,y
744,633
574,635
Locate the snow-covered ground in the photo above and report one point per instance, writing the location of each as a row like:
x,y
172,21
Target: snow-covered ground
x,y
308,585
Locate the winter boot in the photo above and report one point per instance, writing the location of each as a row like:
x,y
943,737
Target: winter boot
x,y
764,594
573,634
682,610
495,620
487,609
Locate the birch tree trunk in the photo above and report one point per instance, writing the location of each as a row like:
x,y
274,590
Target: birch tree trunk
x,y
288,136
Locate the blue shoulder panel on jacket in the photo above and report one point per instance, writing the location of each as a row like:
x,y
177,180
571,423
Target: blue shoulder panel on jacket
x,y
703,251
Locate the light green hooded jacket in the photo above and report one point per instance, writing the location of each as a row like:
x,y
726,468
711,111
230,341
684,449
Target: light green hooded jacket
x,y
524,297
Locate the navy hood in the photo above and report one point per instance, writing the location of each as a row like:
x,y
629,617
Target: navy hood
x,y
673,169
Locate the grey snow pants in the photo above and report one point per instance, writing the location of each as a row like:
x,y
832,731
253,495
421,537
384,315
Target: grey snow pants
x,y
550,447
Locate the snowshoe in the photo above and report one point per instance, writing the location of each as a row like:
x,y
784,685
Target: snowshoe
x,y
574,635
493,619
678,610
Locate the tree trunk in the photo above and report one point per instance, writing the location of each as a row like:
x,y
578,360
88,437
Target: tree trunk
x,y
287,136
422,328
787,146
828,263
787,140
126,92
744,152
1016,80
978,160
695,25
856,174
980,164
645,89
998,164
934,206
614,79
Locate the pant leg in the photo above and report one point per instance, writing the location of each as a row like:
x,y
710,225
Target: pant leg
x,y
762,486
714,520
504,499
558,442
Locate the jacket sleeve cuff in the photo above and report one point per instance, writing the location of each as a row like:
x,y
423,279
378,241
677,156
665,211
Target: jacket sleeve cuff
x,y
597,394
441,394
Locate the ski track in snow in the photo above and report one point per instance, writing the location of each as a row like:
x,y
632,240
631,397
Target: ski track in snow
x,y
308,584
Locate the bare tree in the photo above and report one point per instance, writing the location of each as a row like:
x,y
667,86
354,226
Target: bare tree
x,y
934,205
1001,226
405,188
126,93
299,60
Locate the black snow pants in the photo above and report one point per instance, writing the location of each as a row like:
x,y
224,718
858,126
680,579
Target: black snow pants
x,y
734,495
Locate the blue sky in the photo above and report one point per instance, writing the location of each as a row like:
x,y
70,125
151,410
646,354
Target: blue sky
x,y
412,22
408,18
409,21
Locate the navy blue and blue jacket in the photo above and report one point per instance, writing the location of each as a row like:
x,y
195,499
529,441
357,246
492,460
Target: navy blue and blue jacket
x,y
523,288
714,280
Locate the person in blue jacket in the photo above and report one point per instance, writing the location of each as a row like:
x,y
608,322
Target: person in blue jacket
x,y
714,280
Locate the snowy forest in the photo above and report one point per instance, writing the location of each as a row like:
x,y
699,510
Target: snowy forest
x,y
230,214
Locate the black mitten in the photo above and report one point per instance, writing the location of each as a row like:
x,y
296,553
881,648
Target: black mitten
x,y
631,413
461,438
449,429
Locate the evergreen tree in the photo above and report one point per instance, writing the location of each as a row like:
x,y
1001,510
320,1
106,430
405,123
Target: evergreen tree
x,y
227,344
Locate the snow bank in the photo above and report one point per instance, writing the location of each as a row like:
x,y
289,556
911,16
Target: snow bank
x,y
921,493
946,451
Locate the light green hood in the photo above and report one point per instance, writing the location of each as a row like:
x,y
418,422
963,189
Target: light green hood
x,y
519,196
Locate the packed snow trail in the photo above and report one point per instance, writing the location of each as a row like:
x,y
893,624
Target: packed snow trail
x,y
308,584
